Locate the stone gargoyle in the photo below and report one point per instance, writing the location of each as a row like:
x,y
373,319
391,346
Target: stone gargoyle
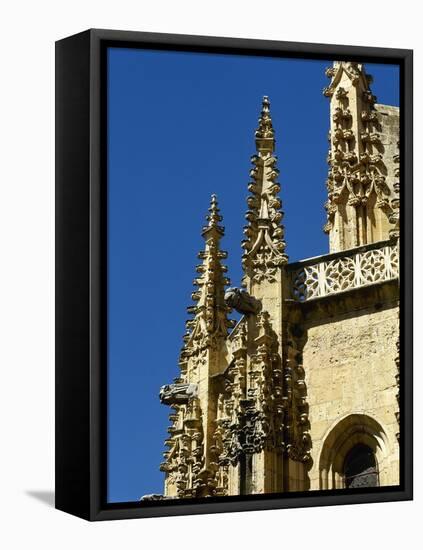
x,y
171,394
241,301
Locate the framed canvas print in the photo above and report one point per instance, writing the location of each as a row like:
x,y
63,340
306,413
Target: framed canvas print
x,y
268,187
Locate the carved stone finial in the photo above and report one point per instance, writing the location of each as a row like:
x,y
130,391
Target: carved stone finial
x,y
265,135
214,217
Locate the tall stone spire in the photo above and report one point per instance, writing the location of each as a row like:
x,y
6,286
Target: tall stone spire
x,y
359,178
210,312
190,459
264,245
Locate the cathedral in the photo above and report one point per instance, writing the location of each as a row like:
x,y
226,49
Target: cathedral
x,y
302,392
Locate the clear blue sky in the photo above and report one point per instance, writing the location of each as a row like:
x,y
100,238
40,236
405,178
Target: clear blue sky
x,y
181,126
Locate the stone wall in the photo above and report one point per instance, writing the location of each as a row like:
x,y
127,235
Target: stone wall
x,y
349,361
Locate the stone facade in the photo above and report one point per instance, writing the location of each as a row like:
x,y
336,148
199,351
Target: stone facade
x,y
302,393
351,377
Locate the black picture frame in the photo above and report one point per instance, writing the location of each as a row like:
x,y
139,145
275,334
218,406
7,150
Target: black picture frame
x,y
81,274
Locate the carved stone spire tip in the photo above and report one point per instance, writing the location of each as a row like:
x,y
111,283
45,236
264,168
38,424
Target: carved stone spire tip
x,y
265,103
214,216
265,135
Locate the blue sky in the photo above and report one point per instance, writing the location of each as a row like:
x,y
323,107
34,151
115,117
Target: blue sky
x,y
181,126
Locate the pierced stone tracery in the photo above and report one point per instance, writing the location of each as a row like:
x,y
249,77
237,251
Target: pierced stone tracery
x,y
352,270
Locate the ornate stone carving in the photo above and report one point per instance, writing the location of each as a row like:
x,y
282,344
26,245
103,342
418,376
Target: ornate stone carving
x,y
297,437
239,408
241,301
394,216
352,270
264,244
356,165
238,339
210,322
171,394
185,458
354,71
250,411
189,472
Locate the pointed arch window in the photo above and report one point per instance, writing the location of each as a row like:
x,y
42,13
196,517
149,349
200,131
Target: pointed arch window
x,y
355,454
360,468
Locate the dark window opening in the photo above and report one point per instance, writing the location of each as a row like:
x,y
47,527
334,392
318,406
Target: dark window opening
x,y
360,468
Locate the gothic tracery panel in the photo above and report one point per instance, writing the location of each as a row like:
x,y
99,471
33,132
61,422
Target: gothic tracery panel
x,y
354,270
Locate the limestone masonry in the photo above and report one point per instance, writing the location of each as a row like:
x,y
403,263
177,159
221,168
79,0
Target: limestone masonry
x,y
302,393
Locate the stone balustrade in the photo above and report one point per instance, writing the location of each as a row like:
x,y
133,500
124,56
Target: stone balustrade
x,y
342,271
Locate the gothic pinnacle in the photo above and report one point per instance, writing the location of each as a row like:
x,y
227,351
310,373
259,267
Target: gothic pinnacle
x,y
264,246
210,311
357,174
